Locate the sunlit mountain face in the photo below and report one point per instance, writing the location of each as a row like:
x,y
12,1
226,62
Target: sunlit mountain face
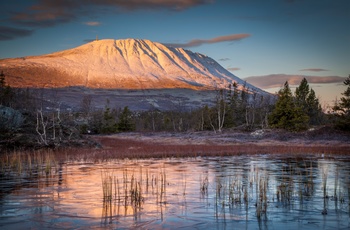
x,y
121,66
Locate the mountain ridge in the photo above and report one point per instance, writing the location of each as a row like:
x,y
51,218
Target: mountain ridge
x,y
120,64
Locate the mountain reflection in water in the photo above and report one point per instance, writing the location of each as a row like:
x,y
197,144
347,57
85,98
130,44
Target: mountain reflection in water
x,y
250,192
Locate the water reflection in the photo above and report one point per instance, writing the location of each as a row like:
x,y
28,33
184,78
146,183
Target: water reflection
x,y
217,192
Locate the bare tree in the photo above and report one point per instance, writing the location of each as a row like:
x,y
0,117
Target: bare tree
x,y
219,111
41,126
86,105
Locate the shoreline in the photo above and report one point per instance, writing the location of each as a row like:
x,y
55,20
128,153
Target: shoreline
x,y
192,144
322,140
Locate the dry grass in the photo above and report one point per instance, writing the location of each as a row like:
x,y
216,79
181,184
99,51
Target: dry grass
x,y
114,147
135,146
27,163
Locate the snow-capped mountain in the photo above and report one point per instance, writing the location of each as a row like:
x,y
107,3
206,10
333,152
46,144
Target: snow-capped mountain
x,y
120,64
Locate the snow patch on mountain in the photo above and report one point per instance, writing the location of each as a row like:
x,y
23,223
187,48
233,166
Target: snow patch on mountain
x,y
121,64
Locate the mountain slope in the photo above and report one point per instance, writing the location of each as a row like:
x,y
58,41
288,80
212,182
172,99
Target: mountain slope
x,y
120,64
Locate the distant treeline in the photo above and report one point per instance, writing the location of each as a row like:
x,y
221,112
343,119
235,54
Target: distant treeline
x,y
24,119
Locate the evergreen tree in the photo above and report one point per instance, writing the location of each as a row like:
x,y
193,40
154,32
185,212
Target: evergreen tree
x,y
109,124
302,91
125,121
343,108
6,93
287,114
307,100
235,106
2,80
314,109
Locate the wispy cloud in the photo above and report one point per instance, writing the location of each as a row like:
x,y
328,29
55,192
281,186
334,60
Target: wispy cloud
x,y
314,70
92,23
233,69
277,80
51,13
45,14
152,4
224,59
198,42
8,33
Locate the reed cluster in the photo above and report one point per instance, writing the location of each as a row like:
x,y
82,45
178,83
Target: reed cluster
x,y
27,164
231,192
132,188
262,201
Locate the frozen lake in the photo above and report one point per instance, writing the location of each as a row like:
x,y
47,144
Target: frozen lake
x,y
240,192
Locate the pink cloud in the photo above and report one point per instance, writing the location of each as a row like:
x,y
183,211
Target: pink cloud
x,y
92,23
277,80
198,42
233,69
314,70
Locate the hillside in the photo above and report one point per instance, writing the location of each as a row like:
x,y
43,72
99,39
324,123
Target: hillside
x,y
137,73
120,64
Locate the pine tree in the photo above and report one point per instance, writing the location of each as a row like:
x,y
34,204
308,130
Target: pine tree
x,y
109,124
343,108
287,114
6,93
232,106
302,92
236,105
314,109
307,100
2,80
125,122
345,101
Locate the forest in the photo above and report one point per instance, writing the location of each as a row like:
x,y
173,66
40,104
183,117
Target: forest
x,y
25,123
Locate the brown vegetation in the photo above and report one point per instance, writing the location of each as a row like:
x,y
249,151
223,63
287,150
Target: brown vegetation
x,y
137,145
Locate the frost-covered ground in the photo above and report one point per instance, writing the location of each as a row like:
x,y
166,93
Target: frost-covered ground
x,y
317,137
324,140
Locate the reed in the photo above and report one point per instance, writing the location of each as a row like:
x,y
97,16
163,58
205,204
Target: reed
x,y
245,196
147,180
184,185
27,163
116,185
50,162
235,191
107,184
324,180
118,190
309,188
336,180
262,201
107,208
162,187
204,183
29,160
136,197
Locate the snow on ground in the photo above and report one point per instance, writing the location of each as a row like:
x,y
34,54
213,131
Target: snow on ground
x,y
121,64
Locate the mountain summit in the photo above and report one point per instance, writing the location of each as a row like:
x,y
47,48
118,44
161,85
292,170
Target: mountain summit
x,y
120,64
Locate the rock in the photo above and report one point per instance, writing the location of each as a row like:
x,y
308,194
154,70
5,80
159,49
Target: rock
x,y
10,119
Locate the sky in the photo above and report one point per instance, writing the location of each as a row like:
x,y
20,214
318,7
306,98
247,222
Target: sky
x,y
265,42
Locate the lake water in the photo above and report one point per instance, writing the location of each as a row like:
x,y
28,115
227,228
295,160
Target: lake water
x,y
236,192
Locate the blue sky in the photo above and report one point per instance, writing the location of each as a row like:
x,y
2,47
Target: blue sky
x,y
266,42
